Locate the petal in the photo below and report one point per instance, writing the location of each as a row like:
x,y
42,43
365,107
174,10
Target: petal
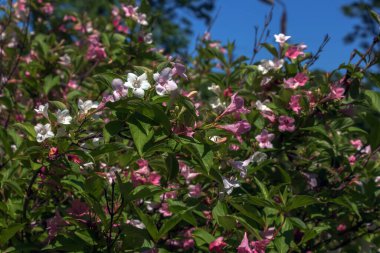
x,y
145,85
138,92
131,77
128,84
142,78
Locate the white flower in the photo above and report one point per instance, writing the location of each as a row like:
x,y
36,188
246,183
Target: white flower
x,y
215,88
267,65
242,166
138,84
43,132
136,224
229,185
43,109
14,147
164,82
216,104
65,60
281,38
87,105
148,38
63,117
262,107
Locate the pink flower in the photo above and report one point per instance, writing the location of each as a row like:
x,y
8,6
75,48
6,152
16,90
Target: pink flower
x,y
341,227
294,51
336,92
143,175
96,52
294,82
236,106
217,245
48,9
244,245
195,191
55,224
187,172
217,46
78,208
294,103
234,147
357,143
164,210
260,246
286,124
265,139
352,160
179,70
238,128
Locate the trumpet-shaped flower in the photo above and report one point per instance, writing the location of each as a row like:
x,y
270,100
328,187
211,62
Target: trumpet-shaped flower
x,y
86,106
286,124
43,109
265,139
63,117
138,84
281,38
164,82
43,132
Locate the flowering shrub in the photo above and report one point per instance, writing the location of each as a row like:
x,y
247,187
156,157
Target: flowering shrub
x,y
107,144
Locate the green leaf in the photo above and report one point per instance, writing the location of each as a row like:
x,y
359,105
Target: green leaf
x,y
50,82
142,192
27,128
172,166
141,132
300,201
85,236
202,237
263,189
149,224
375,16
114,127
58,104
9,232
169,224
373,98
271,49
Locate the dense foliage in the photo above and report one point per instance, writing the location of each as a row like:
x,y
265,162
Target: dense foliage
x,y
110,145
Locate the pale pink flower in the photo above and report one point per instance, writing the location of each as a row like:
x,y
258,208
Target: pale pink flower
x,y
357,143
286,124
218,46
164,210
234,147
48,9
179,70
217,245
187,172
281,38
294,103
265,139
195,191
164,82
244,245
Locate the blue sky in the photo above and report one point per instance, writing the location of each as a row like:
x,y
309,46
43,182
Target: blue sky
x,y
308,22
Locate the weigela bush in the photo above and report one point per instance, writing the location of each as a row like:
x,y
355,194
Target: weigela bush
x,y
110,145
